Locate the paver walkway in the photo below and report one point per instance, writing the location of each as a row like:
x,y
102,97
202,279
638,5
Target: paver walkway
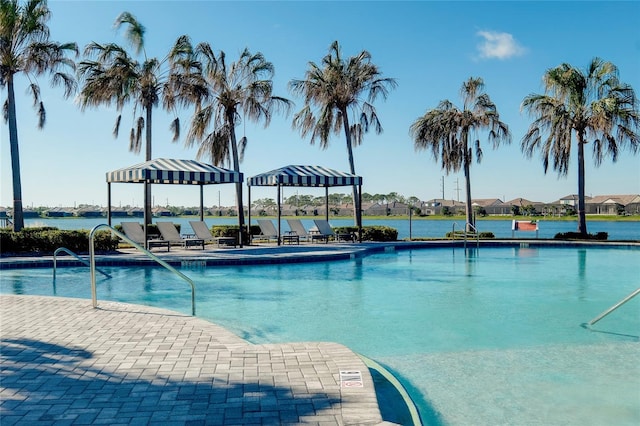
x,y
64,362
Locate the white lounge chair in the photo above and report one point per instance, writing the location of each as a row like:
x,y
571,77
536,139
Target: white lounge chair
x,y
135,232
202,231
296,226
327,232
170,233
267,231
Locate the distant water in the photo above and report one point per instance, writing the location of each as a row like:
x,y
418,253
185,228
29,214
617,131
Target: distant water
x,y
417,228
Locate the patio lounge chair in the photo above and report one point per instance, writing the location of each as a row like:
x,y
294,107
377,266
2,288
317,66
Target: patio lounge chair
x,y
297,228
135,231
202,231
267,231
170,233
327,232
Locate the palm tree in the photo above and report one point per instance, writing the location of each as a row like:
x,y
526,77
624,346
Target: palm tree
x,y
110,75
446,130
244,89
25,48
592,104
336,88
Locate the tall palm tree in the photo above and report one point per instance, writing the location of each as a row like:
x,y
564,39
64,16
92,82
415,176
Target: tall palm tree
x,y
592,104
25,48
243,89
335,88
446,130
110,75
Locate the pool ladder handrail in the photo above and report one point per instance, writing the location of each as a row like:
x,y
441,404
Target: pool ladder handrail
x,y
71,253
614,307
467,225
92,260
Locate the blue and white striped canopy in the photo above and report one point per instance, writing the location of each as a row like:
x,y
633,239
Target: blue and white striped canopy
x,y
304,176
172,171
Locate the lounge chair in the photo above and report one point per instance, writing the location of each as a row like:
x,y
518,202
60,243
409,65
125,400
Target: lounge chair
x,y
202,231
170,233
298,229
325,230
267,231
135,232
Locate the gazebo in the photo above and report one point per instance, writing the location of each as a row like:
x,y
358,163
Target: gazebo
x,y
312,176
171,171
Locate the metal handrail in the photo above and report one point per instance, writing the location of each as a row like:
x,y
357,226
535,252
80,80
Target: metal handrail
x,y
467,224
92,260
470,225
614,307
70,253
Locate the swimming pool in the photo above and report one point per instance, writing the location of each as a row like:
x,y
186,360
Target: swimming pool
x,y
489,336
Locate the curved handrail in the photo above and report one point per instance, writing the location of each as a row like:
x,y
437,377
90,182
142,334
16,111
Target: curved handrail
x,y
614,307
92,260
467,225
70,253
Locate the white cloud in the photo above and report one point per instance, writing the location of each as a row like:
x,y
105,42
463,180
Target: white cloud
x,y
498,45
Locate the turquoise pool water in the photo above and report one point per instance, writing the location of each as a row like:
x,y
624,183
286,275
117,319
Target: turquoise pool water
x,y
478,337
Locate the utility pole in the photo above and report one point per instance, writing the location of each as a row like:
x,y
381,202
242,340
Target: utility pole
x,y
458,189
443,187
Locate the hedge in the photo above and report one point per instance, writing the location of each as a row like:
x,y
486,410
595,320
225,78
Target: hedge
x,y
46,240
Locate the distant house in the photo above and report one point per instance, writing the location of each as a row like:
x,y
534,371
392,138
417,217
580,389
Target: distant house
x,y
119,212
438,205
523,205
612,204
374,209
492,206
89,211
136,212
59,212
161,212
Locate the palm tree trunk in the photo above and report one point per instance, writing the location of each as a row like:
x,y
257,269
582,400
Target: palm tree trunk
x,y
468,207
147,186
236,167
582,219
18,214
467,181
352,169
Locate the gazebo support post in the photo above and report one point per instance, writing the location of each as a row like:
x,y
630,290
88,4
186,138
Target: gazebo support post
x,y
201,203
279,213
249,213
147,209
109,203
359,214
326,203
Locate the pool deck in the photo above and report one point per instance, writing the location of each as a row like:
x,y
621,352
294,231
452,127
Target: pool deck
x,y
64,362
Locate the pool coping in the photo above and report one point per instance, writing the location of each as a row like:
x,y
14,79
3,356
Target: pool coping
x,y
274,254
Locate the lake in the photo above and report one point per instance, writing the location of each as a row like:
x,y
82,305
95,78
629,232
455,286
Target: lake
x,y
417,228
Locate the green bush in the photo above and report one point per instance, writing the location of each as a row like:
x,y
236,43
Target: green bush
x,y
46,240
371,233
485,235
232,231
600,236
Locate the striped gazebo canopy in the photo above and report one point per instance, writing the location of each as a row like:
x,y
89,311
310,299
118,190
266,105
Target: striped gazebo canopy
x,y
304,176
170,171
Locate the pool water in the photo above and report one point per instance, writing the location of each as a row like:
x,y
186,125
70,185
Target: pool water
x,y
489,336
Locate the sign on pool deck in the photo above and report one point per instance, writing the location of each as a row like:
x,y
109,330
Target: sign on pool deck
x,y
351,379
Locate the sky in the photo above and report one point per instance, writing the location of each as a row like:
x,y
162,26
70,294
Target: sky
x,y
429,47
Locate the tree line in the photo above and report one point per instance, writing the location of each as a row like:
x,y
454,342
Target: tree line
x,y
579,106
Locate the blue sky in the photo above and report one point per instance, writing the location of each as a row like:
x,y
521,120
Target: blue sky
x,y
429,47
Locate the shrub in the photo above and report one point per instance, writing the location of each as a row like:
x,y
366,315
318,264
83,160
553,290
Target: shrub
x,y
46,240
485,235
600,236
232,231
371,233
